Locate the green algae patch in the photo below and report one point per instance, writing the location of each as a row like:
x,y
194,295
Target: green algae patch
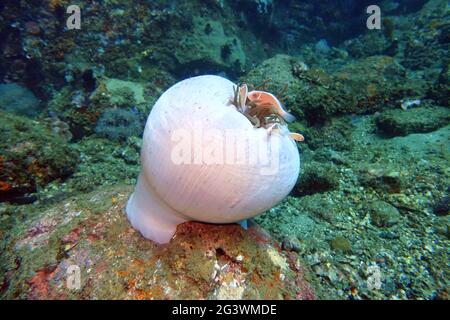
x,y
105,163
125,92
340,244
32,156
400,122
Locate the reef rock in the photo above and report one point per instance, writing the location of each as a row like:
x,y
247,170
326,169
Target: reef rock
x,y
416,120
19,100
276,72
383,214
90,237
32,155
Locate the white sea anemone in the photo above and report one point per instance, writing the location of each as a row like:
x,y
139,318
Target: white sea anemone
x,y
202,159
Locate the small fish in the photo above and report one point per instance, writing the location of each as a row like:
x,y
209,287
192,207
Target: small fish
x,y
297,136
267,99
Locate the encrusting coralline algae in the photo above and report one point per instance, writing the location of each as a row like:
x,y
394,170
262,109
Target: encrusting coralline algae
x,y
372,106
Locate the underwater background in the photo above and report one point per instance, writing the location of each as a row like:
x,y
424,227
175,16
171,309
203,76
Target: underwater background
x,y
368,217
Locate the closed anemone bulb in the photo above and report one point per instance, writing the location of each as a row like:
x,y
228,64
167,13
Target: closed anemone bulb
x,y
203,159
